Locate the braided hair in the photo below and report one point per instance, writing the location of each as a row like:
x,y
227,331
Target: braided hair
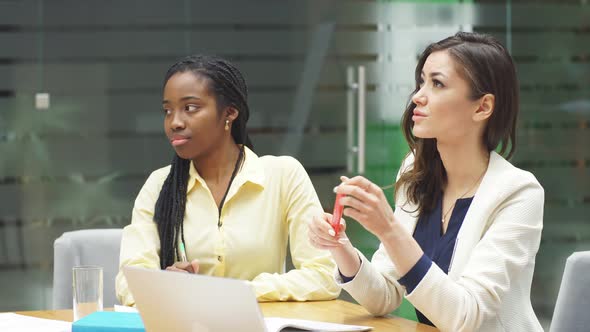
x,y
228,86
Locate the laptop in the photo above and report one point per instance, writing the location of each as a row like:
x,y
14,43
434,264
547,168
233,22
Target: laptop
x,y
172,301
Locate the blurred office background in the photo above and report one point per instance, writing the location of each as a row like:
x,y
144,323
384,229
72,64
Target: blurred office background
x,y
81,121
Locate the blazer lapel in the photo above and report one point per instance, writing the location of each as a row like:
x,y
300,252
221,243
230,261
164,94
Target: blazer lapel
x,y
477,216
486,199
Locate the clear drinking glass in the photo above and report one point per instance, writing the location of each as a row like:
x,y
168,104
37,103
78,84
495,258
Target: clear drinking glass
x,y
87,290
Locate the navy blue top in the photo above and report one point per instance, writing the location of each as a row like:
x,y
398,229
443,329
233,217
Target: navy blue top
x,y
437,247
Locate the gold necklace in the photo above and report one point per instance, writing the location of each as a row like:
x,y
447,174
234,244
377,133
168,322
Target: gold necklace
x,y
444,217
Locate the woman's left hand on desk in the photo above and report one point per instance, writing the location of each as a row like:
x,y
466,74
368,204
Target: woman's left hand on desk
x,y
186,267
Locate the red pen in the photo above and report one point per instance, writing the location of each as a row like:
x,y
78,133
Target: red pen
x,y
337,214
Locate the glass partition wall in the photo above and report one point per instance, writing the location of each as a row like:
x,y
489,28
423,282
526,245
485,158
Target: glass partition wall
x,y
81,125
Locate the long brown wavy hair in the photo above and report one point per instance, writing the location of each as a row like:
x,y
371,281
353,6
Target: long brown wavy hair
x,y
488,68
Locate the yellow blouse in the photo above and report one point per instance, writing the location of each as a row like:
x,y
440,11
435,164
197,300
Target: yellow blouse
x,y
267,205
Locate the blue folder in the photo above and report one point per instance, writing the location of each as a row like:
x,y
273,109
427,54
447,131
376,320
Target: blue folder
x,y
109,321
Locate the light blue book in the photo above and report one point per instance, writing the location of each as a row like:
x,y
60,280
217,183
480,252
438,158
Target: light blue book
x,y
109,321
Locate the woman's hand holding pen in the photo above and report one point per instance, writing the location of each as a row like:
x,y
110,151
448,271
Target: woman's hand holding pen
x,y
322,235
186,267
366,203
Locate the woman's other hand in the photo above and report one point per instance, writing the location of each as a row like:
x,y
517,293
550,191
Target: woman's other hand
x,y
185,267
366,203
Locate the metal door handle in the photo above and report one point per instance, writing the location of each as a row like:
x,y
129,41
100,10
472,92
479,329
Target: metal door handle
x,y
358,87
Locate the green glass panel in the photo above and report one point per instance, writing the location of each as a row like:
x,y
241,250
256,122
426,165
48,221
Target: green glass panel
x,y
386,148
406,310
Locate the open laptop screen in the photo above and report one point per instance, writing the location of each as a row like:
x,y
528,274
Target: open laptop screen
x,y
172,301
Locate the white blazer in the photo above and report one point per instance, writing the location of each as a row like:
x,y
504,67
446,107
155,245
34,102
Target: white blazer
x,y
489,281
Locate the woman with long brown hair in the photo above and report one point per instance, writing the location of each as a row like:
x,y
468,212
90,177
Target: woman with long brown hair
x,y
462,241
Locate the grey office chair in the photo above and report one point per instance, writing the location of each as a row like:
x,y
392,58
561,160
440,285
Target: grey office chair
x,y
85,247
573,300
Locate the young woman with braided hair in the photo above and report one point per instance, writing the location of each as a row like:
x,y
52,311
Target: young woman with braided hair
x,y
219,207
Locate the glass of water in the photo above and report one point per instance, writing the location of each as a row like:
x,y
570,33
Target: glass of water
x,y
87,290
